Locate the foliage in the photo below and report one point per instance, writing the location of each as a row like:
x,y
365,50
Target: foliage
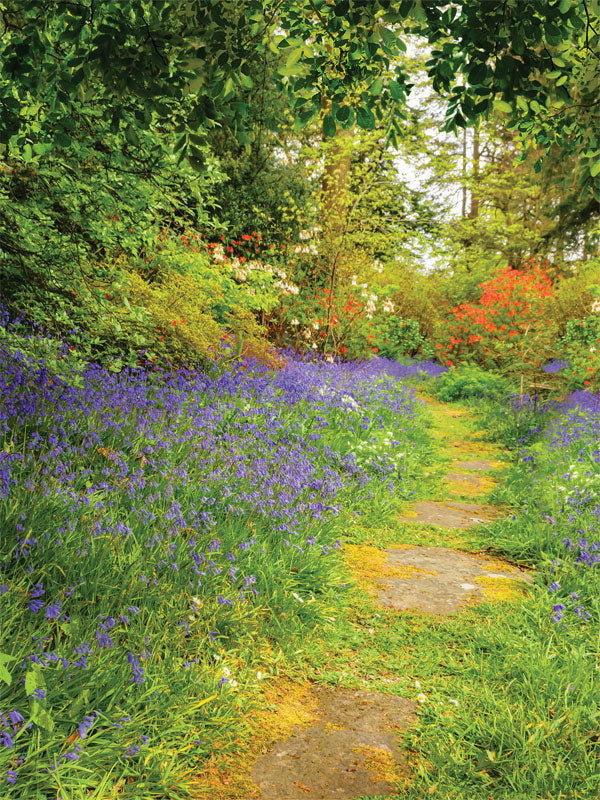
x,y
468,382
581,344
357,321
575,293
555,104
75,59
583,331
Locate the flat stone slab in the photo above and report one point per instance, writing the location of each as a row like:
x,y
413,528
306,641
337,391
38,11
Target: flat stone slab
x,y
350,752
439,581
469,484
480,465
449,515
466,477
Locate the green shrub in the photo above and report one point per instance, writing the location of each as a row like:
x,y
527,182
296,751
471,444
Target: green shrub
x,y
470,381
583,331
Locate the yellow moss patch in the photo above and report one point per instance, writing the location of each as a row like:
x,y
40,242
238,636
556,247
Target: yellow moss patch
x,y
500,590
472,447
451,412
496,565
467,488
381,765
410,512
284,706
329,727
370,564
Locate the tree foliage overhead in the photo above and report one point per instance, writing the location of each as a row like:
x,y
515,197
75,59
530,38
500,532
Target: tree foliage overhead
x,y
188,65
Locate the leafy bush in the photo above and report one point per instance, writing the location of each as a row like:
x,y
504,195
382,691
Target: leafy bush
x,y
398,337
357,320
583,369
469,381
583,331
575,291
510,327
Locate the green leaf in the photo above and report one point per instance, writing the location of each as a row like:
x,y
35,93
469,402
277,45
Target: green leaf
x,y
376,86
41,717
131,136
345,116
34,679
4,673
294,56
389,37
246,81
329,126
293,69
564,6
477,72
396,90
228,89
595,168
304,118
342,114
522,103
342,8
502,105
365,118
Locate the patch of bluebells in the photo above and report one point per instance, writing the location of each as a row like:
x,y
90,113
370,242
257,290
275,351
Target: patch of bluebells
x,y
554,365
141,509
583,400
565,496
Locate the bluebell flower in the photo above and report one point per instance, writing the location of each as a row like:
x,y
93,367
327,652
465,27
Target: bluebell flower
x,y
6,740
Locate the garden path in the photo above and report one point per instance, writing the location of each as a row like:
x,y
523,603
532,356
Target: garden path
x,y
344,743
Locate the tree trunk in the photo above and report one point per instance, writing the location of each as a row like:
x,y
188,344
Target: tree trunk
x,y
474,209
334,186
464,174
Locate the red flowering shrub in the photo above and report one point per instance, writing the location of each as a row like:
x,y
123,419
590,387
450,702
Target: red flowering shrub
x,y
510,327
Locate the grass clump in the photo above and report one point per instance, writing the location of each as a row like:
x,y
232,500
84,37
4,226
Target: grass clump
x,y
469,382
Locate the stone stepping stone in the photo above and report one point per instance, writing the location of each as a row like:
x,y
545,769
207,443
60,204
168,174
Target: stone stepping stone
x,y
439,581
467,483
449,515
481,465
350,752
